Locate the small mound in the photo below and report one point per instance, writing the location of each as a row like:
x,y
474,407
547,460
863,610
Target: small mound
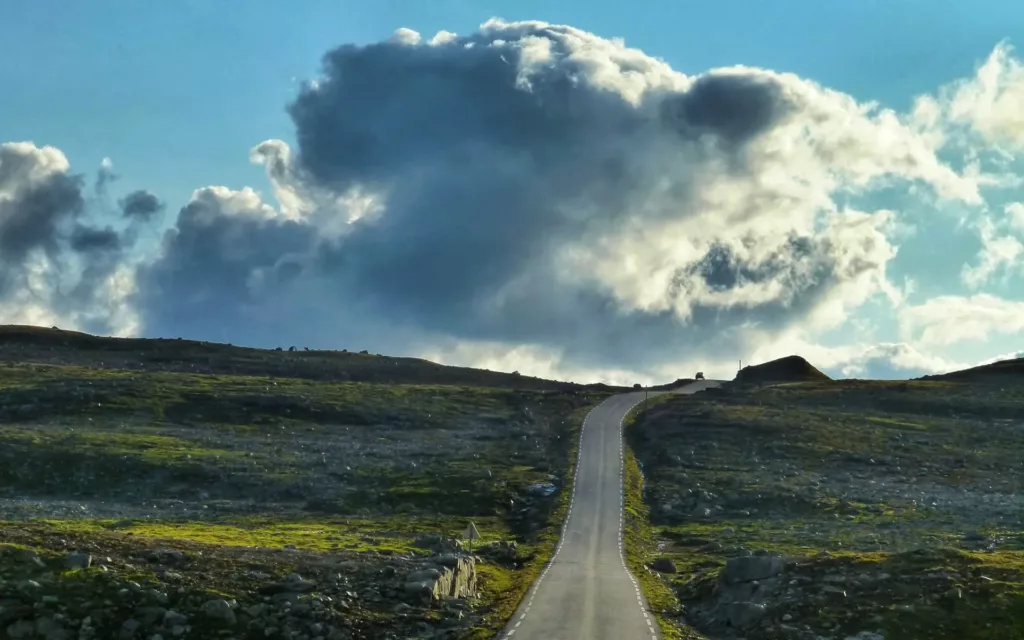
x,y
1002,370
788,369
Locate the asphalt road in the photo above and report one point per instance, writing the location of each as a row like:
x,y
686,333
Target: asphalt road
x,y
586,592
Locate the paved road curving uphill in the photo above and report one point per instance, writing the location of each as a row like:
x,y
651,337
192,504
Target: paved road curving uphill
x,y
586,592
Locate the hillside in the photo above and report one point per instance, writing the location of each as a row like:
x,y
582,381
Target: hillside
x,y
1009,370
788,369
871,510
59,347
185,489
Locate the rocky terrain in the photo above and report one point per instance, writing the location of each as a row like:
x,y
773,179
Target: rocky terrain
x,y
837,510
173,489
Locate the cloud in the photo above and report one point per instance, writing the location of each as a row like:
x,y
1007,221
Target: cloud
x,y
1015,213
947,320
58,265
140,204
858,357
537,197
1000,253
989,103
894,361
538,187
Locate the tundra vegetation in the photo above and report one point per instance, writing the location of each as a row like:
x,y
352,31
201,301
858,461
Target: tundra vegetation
x,y
833,509
170,488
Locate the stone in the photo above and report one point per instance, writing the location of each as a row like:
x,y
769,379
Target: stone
x,y
50,629
129,627
454,578
174,619
748,568
219,610
743,615
664,565
21,629
77,560
292,583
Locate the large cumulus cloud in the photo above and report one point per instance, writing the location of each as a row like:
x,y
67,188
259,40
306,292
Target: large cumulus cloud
x,y
533,184
532,193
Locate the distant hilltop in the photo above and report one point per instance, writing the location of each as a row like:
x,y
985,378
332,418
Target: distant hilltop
x,y
788,369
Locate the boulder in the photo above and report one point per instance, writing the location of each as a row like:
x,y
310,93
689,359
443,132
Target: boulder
x,y
449,576
748,568
664,565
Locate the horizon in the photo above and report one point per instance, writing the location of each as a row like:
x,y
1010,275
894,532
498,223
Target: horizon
x,y
298,348
523,196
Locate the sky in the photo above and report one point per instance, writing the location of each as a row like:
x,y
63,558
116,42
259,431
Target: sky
x,y
588,191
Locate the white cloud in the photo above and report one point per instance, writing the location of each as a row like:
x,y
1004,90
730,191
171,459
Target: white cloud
x,y
1000,253
405,36
1015,213
990,103
947,320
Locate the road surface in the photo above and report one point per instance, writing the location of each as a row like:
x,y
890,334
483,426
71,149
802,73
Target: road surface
x,y
586,592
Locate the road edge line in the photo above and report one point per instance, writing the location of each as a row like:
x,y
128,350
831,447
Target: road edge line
x,y
531,593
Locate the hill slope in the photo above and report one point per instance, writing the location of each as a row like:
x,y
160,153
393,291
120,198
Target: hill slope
x,y
846,509
788,369
58,347
199,476
985,373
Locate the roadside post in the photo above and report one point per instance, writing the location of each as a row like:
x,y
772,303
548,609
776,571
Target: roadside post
x,y
471,534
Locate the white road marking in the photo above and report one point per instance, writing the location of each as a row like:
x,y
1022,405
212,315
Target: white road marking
x,y
568,515
565,523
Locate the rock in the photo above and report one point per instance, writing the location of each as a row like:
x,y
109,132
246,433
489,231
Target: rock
x,y
50,629
167,556
748,568
174,619
219,610
21,629
77,560
664,565
455,577
742,615
292,583
129,627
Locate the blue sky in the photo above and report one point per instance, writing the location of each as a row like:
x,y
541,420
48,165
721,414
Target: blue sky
x,y
180,91
176,94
